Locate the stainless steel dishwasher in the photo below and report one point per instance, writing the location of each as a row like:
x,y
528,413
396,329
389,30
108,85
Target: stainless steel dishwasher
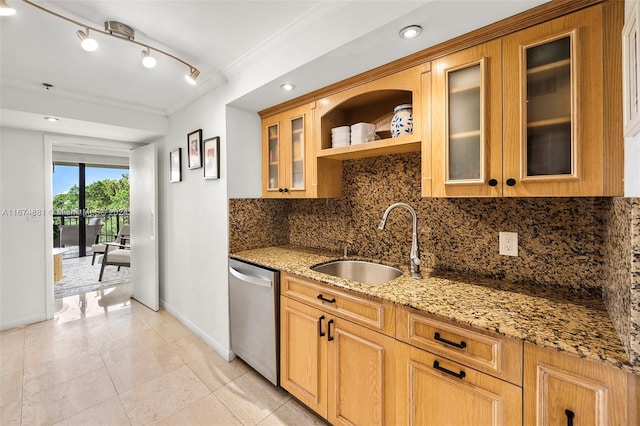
x,y
254,317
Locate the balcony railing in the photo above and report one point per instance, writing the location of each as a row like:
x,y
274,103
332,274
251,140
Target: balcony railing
x,y
112,220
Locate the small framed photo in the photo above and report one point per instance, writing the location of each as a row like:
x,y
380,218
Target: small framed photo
x,y
175,165
212,158
194,149
631,72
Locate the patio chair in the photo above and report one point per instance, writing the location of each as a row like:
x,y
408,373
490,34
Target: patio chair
x,y
121,238
116,254
69,234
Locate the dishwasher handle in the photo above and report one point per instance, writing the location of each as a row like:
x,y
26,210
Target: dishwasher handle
x,y
249,279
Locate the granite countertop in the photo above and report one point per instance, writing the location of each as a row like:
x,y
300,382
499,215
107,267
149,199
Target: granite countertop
x,y
551,317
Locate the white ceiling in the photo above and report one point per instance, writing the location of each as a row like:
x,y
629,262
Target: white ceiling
x,y
258,44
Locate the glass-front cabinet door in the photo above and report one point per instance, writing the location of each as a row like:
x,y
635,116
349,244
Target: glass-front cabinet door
x,y
553,96
273,133
285,153
272,171
466,135
548,141
296,151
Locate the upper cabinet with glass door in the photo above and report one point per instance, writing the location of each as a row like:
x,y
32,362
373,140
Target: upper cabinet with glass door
x,y
537,116
561,96
466,123
286,154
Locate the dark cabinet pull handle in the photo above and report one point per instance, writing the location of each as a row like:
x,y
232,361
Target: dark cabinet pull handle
x,y
570,415
511,182
461,375
280,190
333,300
286,190
460,345
329,337
320,332
493,182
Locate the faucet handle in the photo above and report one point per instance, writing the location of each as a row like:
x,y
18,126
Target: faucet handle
x,y
416,260
346,250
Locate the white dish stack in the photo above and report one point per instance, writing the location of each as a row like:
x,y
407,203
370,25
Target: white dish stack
x,y
363,132
340,136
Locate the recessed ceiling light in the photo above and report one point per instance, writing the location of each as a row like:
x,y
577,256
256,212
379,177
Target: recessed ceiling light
x,y
288,86
412,31
52,119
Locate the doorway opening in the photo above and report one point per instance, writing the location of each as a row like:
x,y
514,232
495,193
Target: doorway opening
x,y
90,208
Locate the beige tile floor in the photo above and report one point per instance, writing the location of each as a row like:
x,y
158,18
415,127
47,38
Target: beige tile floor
x,y
108,360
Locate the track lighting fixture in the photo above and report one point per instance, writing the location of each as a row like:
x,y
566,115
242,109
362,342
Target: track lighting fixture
x,y
112,29
192,76
5,9
147,60
89,44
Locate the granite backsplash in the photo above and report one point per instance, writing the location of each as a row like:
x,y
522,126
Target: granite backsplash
x,y
583,243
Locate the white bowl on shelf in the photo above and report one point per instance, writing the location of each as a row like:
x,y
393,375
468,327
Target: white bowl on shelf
x,y
363,128
357,138
339,145
341,139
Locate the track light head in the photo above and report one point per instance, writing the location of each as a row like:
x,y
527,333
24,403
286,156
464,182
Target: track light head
x,y
5,9
147,60
89,44
192,76
113,29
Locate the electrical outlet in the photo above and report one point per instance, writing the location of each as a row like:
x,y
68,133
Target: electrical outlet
x,y
509,243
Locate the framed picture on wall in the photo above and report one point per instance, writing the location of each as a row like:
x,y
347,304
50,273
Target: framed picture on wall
x,y
212,158
175,165
194,149
631,72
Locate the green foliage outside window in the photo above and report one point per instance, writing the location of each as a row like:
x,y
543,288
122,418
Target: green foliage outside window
x,y
105,197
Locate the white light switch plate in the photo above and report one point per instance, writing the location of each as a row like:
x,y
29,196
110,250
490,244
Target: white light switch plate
x,y
509,243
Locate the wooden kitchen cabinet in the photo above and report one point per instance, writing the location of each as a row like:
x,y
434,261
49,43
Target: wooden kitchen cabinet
x,y
481,350
562,106
287,154
303,354
372,102
343,371
562,389
433,390
377,315
535,113
466,96
450,374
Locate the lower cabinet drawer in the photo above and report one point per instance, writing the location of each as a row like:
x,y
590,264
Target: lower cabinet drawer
x,y
484,351
372,313
433,390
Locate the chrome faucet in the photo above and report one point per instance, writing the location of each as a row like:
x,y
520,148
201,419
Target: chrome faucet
x,y
414,256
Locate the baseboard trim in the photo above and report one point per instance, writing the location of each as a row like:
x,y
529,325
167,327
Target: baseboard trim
x,y
23,321
223,351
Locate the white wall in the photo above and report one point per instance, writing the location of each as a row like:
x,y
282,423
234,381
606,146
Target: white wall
x,y
22,249
244,154
631,166
193,229
631,147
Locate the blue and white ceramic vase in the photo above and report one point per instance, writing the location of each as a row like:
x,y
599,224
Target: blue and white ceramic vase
x,y
402,121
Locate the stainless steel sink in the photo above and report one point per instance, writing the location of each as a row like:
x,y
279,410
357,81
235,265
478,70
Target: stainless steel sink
x,y
360,271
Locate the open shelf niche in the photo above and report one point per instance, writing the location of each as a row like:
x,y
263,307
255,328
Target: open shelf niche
x,y
371,107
